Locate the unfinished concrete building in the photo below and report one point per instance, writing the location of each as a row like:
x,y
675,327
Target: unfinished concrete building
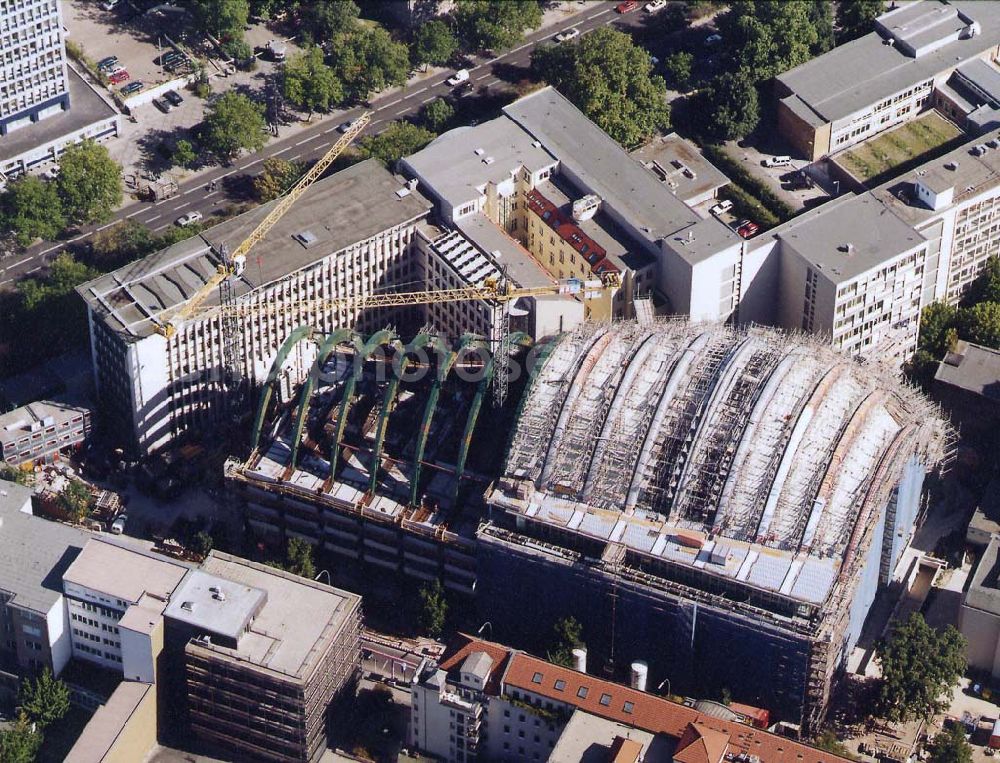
x,y
722,504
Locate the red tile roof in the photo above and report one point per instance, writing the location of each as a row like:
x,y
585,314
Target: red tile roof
x,y
701,744
465,645
570,232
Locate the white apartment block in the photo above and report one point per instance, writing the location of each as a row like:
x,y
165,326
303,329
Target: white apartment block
x,y
33,80
352,234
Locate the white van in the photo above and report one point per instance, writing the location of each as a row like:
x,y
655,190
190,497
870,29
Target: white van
x,y
462,75
777,161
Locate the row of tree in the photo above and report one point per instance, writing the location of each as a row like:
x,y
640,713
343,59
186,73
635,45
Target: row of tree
x,y
43,701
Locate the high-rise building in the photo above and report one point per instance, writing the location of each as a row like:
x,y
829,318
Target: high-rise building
x,y
33,78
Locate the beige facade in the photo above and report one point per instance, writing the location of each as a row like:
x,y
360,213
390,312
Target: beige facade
x,y
121,731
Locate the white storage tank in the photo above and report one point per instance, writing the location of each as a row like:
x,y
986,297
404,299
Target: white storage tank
x,y
580,659
639,674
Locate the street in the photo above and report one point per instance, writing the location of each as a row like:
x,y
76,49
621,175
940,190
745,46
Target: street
x,y
312,142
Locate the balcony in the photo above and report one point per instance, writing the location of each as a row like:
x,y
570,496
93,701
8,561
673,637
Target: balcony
x,y
452,700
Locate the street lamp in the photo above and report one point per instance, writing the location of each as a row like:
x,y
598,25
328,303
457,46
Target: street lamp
x,y
836,188
483,627
664,681
321,573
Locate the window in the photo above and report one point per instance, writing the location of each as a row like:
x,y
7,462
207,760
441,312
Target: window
x,y
537,678
582,692
605,699
628,707
560,685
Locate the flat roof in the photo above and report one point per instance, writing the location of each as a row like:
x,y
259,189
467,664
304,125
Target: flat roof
x,y
107,724
456,165
123,573
982,78
848,236
86,107
589,738
340,210
679,165
521,266
862,72
17,423
212,603
291,631
34,552
984,590
702,240
973,368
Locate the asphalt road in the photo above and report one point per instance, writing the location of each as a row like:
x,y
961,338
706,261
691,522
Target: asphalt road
x,y
312,143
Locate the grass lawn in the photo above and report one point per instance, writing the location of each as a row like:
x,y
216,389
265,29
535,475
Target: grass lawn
x,y
902,144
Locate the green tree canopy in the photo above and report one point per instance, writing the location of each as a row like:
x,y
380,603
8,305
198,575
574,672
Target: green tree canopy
x,y
433,43
491,25
45,699
89,183
184,154
234,122
767,37
19,743
433,608
31,208
855,18
225,19
76,500
15,474
981,324
437,114
323,20
935,321
678,67
567,636
730,106
369,60
299,555
276,176
821,17
309,83
920,666
986,287
950,746
610,79
397,140
828,741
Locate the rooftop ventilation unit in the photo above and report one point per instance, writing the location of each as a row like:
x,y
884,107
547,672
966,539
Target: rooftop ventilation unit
x,y
951,166
536,143
307,238
219,596
586,207
489,160
479,151
187,606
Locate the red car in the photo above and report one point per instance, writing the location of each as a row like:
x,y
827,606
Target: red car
x,y
747,228
119,77
627,7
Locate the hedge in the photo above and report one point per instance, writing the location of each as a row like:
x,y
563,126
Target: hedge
x,y
745,205
752,185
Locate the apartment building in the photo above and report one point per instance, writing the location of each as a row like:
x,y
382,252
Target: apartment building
x,y
40,431
351,234
485,701
886,77
265,654
115,598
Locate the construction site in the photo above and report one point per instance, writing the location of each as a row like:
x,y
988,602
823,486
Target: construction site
x,y
722,504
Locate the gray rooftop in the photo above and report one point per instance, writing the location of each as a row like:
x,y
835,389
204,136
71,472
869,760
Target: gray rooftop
x,y
702,240
17,423
215,605
340,210
34,552
973,368
862,72
588,738
455,164
478,664
847,236
521,266
124,573
984,590
981,80
291,631
688,174
86,108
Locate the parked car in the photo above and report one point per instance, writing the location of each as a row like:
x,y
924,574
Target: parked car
x,y
464,89
118,526
345,126
163,105
568,34
462,75
107,63
713,39
132,88
722,207
189,219
627,7
119,77
747,228
777,161
655,6
174,97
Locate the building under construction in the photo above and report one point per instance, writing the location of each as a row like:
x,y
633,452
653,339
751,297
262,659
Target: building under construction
x,y
722,504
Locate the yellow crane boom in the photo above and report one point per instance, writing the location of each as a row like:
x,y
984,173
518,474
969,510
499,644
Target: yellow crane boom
x,y
234,262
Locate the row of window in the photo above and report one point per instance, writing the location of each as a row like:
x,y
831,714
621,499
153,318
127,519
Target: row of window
x,y
96,652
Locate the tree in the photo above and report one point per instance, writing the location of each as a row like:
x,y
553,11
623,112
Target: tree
x,y
856,18
234,122
981,324
309,83
369,60
828,741
15,474
239,50
45,699
437,114
678,67
950,746
821,17
203,543
673,18
31,208
935,321
299,555
19,743
489,25
568,635
731,106
224,19
433,608
986,287
767,37
610,79
322,20
123,242
397,140
433,43
920,666
276,177
184,154
89,183
76,500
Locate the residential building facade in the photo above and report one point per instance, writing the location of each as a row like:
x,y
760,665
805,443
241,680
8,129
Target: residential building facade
x,y
38,432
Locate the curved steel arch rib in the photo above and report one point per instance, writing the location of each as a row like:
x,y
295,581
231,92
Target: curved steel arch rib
x,y
302,332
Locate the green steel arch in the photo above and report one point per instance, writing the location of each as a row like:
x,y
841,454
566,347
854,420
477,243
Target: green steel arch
x,y
518,338
389,399
430,408
302,332
340,336
385,336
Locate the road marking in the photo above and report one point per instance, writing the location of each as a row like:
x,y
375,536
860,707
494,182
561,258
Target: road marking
x,y
50,249
428,100
596,15
9,280
327,132
140,211
189,190
293,158
306,140
165,225
391,103
107,226
185,204
82,235
35,270
414,93
256,161
153,218
209,194
20,262
286,148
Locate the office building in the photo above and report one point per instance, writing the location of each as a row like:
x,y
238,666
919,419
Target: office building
x,y
351,234
484,701
884,78
979,615
39,432
265,653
